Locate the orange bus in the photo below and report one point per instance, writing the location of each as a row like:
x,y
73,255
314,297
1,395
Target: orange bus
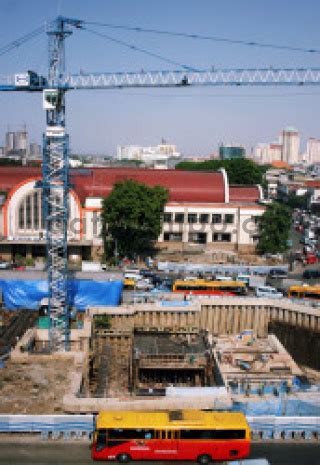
x,y
203,287
304,292
171,435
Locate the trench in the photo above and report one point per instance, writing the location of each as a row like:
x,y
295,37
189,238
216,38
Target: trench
x,y
303,344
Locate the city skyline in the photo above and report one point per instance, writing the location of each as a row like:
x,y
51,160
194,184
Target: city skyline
x,y
196,120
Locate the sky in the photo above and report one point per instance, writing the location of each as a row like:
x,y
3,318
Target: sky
x,y
197,120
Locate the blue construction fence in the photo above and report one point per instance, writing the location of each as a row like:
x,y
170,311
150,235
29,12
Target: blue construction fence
x,y
82,426
27,294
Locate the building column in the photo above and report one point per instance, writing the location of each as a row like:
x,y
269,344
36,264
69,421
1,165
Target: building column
x,y
29,251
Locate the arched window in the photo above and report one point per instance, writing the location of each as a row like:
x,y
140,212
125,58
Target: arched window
x,y
30,213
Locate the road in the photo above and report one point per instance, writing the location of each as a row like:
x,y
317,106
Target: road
x,y
79,454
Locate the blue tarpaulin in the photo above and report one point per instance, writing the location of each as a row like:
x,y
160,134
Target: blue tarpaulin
x,y
27,294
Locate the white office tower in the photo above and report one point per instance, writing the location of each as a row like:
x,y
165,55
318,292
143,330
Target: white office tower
x,y
21,140
10,141
156,157
313,151
261,154
268,153
35,151
290,140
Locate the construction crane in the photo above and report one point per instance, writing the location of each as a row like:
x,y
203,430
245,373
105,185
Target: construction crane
x,y
55,168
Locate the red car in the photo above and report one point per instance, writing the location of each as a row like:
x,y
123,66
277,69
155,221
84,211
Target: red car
x,y
311,259
17,267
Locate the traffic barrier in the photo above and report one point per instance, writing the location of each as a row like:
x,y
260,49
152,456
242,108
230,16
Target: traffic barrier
x,y
80,427
285,428
49,427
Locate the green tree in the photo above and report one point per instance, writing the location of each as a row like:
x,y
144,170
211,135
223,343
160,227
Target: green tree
x,y
275,226
239,170
132,216
297,201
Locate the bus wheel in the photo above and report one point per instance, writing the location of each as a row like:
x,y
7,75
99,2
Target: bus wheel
x,y
204,459
123,458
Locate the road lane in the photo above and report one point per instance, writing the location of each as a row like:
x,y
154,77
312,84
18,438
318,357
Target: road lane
x,y
58,453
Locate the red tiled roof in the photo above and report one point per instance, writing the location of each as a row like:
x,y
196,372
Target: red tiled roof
x,y
182,185
98,182
280,164
12,176
244,194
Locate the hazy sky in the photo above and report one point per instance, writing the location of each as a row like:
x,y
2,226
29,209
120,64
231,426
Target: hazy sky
x,y
197,119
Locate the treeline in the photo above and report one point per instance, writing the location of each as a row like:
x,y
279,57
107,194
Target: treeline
x,y
239,170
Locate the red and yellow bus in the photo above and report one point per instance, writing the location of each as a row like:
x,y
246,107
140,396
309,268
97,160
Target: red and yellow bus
x,y
202,287
171,435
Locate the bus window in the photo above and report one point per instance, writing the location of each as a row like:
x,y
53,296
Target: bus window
x,y
161,434
213,434
294,294
312,295
131,434
230,434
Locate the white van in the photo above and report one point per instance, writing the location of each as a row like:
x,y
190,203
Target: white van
x,y
133,274
268,291
223,278
244,278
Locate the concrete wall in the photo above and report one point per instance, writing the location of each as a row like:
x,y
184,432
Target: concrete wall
x,y
217,315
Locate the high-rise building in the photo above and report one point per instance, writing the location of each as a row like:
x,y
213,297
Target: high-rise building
x,y
21,140
290,140
268,153
34,151
157,156
10,141
227,152
313,151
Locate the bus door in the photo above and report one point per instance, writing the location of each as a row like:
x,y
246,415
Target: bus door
x,y
166,446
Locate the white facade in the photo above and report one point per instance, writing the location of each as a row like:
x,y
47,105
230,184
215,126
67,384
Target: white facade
x,y
24,219
156,157
268,153
221,227
290,140
216,227
313,151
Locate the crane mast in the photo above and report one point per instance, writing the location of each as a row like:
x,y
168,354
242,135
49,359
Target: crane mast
x,y
55,187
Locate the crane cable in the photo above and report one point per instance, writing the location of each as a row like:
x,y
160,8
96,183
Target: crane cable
x,y
204,37
139,49
16,43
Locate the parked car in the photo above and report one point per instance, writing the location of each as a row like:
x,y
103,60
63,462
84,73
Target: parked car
x,y
310,259
268,291
311,274
223,278
18,267
146,273
245,278
144,284
5,266
278,273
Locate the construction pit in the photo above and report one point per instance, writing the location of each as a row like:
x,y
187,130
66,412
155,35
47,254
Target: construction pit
x,y
136,357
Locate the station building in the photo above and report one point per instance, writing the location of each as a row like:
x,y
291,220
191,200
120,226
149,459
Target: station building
x,y
203,210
